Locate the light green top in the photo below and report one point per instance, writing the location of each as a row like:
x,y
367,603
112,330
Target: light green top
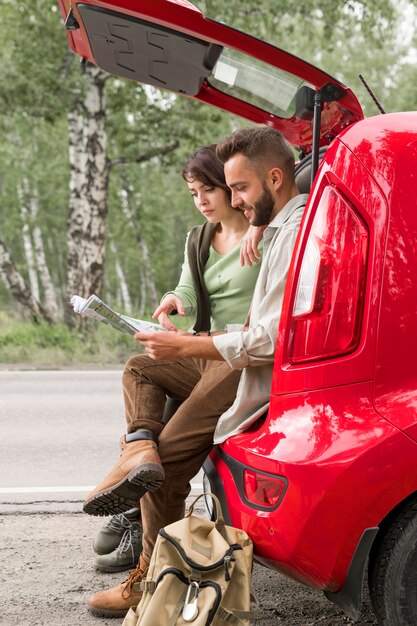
x,y
229,285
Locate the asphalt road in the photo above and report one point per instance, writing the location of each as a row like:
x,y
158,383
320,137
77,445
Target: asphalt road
x,y
59,435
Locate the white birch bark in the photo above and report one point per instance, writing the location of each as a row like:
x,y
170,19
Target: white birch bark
x,y
146,277
89,174
23,194
49,299
123,287
142,294
147,270
18,287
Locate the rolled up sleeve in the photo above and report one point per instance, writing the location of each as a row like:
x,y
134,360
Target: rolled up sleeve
x,y
256,346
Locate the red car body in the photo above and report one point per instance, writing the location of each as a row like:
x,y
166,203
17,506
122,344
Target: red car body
x,y
341,430
331,466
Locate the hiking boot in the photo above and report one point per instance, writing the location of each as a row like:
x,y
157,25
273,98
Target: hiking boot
x,y
110,535
126,555
138,470
116,602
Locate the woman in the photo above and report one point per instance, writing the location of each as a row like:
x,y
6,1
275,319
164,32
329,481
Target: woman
x,y
216,285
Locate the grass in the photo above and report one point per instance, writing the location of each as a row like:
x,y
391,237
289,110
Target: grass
x,y
45,345
56,345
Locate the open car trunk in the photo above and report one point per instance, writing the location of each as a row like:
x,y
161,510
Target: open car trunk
x,y
171,45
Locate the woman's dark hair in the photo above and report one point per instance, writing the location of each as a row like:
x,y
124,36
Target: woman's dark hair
x,y
205,167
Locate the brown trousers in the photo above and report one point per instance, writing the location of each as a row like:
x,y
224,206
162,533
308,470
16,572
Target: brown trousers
x,y
206,389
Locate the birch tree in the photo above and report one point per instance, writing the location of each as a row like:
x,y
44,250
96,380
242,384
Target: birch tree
x,y
123,288
17,285
37,267
49,299
115,125
90,168
89,177
29,254
148,292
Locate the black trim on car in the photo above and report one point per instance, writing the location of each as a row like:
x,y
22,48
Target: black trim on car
x,y
349,598
237,470
217,488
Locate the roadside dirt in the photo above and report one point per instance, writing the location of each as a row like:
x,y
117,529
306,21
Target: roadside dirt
x,y
47,575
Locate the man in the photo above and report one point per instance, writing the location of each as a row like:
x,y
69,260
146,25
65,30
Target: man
x,y
204,372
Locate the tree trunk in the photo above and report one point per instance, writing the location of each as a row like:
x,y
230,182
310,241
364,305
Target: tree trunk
x,y
142,294
89,176
17,286
147,270
49,299
146,277
23,195
89,179
123,287
49,295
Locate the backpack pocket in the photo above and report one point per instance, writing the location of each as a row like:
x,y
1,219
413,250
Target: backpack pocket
x,y
178,602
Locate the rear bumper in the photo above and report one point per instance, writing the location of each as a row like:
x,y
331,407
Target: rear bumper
x,y
345,467
349,597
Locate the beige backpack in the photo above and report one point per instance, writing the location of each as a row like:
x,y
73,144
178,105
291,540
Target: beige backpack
x,y
200,574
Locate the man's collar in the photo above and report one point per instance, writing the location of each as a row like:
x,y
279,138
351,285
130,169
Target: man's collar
x,y
287,209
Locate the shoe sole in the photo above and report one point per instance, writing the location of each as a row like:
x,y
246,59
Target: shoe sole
x,y
127,493
116,568
105,612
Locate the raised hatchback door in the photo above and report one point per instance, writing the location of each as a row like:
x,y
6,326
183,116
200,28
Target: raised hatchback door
x,y
170,44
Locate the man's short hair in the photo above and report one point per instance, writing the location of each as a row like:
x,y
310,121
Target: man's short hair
x,y
263,145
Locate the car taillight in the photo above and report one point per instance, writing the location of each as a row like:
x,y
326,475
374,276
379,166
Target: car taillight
x,y
262,490
329,299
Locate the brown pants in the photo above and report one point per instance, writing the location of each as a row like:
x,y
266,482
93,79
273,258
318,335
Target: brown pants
x,y
206,389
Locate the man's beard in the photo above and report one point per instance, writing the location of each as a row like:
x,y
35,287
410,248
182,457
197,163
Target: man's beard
x,y
263,207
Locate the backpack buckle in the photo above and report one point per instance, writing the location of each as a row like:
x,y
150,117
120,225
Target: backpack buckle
x,y
190,609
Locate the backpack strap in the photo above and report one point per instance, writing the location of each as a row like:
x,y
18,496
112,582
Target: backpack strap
x,y
147,585
235,616
219,521
198,251
176,613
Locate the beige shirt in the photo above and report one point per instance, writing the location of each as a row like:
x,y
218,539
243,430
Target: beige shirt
x,y
253,350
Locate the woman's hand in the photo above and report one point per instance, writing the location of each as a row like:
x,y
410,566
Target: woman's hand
x,y
168,304
249,253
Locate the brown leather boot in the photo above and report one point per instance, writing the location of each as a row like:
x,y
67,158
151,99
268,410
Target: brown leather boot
x,y
116,602
138,470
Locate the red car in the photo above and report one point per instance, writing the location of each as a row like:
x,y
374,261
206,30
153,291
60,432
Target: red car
x,y
326,481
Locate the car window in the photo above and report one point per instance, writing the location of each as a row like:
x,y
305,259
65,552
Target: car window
x,y
256,82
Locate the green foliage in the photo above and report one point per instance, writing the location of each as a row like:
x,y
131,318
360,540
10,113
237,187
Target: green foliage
x,y
41,79
36,65
55,345
371,37
36,336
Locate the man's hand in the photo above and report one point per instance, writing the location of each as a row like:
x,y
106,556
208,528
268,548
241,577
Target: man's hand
x,y
170,346
168,304
249,253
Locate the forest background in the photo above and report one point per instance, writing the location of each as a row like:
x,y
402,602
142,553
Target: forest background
x,y
91,195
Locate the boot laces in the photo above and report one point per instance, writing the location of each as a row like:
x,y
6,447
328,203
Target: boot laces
x,y
126,542
135,575
119,522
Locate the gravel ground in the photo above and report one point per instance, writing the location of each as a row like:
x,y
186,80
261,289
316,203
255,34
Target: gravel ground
x,y
47,575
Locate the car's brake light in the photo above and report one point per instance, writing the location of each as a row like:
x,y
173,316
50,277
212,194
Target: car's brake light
x,y
262,490
329,299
